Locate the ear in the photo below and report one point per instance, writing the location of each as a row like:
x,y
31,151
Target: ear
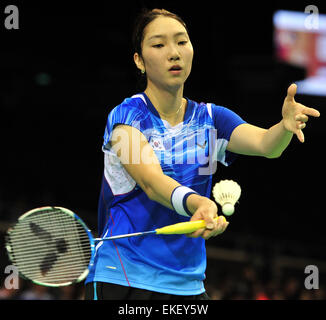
x,y
139,62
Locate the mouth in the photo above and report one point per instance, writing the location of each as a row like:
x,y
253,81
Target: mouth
x,y
176,69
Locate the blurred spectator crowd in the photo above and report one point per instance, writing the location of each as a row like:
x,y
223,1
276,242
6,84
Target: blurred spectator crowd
x,y
248,285
242,285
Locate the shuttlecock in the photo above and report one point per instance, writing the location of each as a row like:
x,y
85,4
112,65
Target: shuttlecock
x,y
226,193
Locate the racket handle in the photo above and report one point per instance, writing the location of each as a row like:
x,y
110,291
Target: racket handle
x,y
183,227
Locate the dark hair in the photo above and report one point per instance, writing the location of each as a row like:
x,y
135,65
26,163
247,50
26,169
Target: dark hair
x,y
144,18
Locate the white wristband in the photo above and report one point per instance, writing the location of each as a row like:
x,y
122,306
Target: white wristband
x,y
178,200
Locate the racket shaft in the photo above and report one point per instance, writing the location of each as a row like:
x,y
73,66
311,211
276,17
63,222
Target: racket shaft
x,y
178,228
183,227
137,234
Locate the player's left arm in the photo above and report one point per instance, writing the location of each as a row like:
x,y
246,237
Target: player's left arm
x,y
248,139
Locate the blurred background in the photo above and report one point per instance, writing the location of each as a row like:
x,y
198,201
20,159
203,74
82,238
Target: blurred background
x,y
68,65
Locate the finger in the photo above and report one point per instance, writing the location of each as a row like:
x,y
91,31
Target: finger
x,y
292,90
309,111
219,231
220,228
196,234
221,222
301,117
301,125
208,234
300,135
224,225
210,223
211,227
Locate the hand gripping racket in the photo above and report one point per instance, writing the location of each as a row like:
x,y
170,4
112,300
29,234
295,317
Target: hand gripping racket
x,y
52,246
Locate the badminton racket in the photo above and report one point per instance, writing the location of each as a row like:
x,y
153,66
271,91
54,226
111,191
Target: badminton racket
x,y
52,246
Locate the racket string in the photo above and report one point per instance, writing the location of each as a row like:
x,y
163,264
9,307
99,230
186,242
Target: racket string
x,y
36,239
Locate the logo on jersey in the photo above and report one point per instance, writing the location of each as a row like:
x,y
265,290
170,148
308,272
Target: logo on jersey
x,y
202,145
157,144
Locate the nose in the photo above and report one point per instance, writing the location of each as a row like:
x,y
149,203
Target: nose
x,y
174,54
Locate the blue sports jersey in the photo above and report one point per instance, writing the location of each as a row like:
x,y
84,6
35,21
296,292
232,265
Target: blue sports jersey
x,y
188,152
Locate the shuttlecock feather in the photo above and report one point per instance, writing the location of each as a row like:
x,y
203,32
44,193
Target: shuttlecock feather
x,y
226,193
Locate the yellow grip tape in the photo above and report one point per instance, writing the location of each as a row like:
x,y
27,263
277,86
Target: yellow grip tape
x,y
183,227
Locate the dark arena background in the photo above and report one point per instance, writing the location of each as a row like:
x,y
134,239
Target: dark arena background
x,y
68,65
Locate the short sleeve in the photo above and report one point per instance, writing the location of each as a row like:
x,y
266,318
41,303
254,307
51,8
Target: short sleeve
x,y
225,121
127,113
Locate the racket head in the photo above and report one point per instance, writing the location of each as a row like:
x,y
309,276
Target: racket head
x,y
50,246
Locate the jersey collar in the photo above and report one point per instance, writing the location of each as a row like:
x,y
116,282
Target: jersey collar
x,y
187,116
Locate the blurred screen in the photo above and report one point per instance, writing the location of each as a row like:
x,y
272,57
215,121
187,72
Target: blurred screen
x,y
301,41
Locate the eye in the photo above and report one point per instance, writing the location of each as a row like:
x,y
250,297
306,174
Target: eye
x,y
182,43
160,45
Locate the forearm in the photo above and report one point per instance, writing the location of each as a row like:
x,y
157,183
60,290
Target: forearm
x,y
160,187
275,140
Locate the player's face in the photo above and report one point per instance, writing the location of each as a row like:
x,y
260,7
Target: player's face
x,y
166,44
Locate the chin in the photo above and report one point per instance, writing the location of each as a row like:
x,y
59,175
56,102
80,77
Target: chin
x,y
174,86
175,83
171,84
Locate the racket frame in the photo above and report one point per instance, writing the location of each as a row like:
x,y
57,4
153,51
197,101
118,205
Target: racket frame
x,y
83,275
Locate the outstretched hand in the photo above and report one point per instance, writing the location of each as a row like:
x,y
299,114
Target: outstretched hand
x,y
295,115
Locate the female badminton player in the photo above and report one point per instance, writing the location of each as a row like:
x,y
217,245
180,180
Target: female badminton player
x,y
158,149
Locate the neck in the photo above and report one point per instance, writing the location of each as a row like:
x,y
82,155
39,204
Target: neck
x,y
166,103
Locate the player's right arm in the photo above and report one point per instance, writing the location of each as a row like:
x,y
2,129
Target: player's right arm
x,y
140,161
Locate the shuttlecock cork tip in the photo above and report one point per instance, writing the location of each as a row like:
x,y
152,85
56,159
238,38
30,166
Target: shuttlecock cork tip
x,y
228,209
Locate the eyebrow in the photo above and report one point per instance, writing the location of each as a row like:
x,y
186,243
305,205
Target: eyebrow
x,y
182,33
